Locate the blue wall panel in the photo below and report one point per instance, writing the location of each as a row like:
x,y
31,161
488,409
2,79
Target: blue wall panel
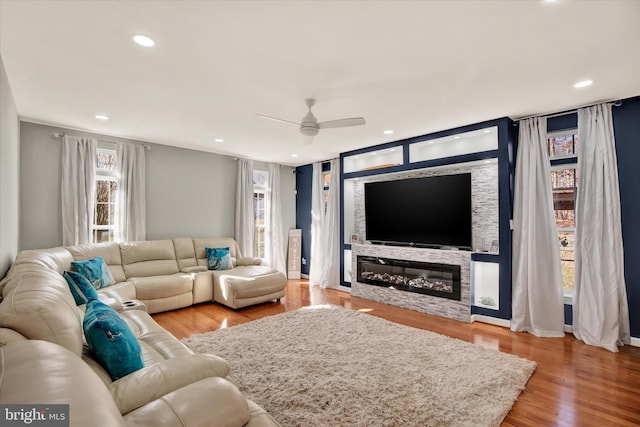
x,y
626,125
304,176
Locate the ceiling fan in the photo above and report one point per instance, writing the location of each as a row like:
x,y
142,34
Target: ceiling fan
x,y
309,125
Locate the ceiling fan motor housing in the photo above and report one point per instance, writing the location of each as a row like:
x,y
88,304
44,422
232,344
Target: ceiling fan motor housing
x,y
309,128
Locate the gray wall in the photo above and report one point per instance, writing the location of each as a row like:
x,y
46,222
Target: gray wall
x,y
189,193
9,174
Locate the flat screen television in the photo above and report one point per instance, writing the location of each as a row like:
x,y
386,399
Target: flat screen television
x,y
431,211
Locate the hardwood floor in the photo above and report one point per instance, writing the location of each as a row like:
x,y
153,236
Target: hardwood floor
x,y
573,385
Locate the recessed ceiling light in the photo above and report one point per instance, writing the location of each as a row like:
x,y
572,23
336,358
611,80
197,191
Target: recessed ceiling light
x,y
294,155
583,83
143,40
388,132
219,140
101,117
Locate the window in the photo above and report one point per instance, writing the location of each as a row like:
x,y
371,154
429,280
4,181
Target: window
x,y
260,180
326,179
103,229
563,153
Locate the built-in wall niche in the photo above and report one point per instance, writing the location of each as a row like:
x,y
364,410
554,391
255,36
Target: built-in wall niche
x,y
485,291
484,200
454,145
375,159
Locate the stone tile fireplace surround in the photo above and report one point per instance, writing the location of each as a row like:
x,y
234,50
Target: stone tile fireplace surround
x,y
453,309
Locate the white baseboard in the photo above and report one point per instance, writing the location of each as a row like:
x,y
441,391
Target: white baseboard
x,y
490,320
568,329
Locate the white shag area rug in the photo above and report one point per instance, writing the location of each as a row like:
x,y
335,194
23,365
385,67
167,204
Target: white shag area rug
x,y
331,366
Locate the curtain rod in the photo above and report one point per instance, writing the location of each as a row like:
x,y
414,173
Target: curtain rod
x,y
61,135
615,103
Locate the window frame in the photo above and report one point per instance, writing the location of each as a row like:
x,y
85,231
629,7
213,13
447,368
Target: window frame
x,y
566,161
260,188
109,175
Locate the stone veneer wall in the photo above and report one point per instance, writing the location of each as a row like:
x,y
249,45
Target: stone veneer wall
x,y
484,199
458,310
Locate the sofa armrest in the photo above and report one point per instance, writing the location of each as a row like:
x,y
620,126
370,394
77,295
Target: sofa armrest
x,y
208,402
247,260
150,383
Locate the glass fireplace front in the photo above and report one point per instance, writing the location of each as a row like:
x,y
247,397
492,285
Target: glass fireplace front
x,y
441,280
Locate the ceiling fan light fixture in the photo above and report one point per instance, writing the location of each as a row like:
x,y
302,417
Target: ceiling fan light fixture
x,y
309,129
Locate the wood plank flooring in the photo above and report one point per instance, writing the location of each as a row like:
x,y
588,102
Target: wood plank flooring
x,y
573,385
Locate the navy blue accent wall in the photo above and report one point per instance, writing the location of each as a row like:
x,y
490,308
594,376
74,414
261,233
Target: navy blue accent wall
x,y
568,314
626,121
567,121
626,127
304,177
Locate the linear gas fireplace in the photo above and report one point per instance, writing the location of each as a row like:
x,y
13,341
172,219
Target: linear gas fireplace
x,y
441,280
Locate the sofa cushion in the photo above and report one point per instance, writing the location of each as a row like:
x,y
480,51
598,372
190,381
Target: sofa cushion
x,y
200,245
122,291
242,282
80,287
148,258
38,304
154,287
218,259
36,372
185,254
111,340
95,270
56,259
108,251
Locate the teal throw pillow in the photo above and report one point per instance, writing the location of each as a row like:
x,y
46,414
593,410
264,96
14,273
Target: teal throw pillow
x,y
95,270
111,340
218,258
81,289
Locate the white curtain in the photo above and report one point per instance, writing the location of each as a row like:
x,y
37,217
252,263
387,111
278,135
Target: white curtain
x,y
274,246
245,223
317,221
537,303
132,222
331,232
600,310
78,192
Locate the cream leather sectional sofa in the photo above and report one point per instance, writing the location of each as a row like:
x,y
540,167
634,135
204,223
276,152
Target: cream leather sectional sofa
x,y
170,274
44,357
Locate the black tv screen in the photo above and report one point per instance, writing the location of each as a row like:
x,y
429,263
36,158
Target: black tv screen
x,y
432,211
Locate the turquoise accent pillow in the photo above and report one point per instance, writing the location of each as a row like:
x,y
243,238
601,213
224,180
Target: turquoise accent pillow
x,y
95,270
218,258
81,289
111,340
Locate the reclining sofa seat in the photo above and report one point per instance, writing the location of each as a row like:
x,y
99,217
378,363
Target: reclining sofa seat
x,y
43,359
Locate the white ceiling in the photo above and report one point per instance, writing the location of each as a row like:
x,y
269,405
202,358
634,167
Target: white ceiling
x,y
415,67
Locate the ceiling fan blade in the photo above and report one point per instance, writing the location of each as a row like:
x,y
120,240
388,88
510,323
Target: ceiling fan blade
x,y
277,120
340,123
